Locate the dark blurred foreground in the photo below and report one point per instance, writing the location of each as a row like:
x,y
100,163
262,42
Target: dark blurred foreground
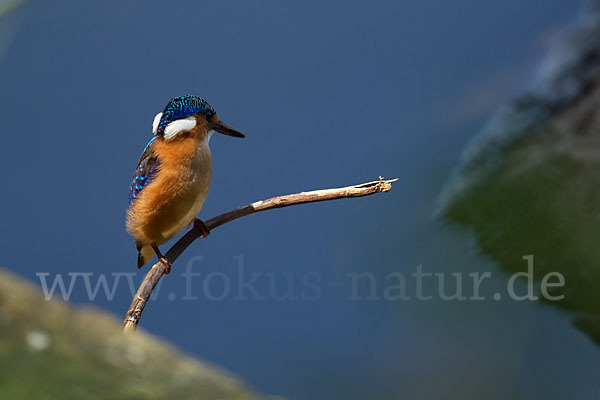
x,y
49,350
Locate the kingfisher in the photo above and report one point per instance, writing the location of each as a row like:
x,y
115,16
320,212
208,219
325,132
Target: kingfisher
x,y
172,178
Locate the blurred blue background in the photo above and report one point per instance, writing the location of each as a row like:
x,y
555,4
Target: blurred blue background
x,y
329,94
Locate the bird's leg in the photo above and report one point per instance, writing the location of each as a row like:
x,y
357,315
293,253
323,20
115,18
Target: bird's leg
x,y
198,223
162,259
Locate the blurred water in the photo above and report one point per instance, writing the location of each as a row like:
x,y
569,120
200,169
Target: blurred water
x,y
328,94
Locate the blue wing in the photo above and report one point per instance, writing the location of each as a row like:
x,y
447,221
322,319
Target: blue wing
x,y
145,171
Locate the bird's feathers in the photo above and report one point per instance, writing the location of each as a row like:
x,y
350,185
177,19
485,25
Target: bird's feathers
x,y
145,171
175,193
178,126
155,123
182,107
145,254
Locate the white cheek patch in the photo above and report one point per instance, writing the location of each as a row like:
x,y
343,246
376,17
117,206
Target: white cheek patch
x,y
156,122
209,135
181,125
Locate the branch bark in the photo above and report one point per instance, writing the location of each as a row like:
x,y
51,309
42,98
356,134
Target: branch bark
x,y
157,271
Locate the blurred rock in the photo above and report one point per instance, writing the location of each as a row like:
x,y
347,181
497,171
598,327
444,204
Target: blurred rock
x,y
49,350
7,6
529,183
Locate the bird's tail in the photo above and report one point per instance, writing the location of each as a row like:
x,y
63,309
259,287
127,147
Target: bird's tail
x,y
145,255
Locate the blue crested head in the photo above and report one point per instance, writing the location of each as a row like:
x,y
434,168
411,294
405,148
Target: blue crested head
x,y
182,107
180,116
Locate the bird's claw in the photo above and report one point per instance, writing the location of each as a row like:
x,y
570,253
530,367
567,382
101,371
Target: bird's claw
x,y
198,223
167,264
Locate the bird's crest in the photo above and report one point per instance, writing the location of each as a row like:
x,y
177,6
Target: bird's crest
x,y
181,107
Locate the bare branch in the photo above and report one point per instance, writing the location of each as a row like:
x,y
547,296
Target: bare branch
x,y
157,271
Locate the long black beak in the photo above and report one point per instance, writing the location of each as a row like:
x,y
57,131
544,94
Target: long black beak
x,y
225,129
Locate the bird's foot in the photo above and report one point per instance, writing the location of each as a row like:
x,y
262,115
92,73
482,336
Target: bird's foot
x,y
163,259
166,263
198,223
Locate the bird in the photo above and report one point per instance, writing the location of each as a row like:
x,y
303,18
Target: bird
x,y
172,178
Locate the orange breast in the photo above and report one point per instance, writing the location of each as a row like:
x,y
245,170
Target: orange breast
x,y
175,196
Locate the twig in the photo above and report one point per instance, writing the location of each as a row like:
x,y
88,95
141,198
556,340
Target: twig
x,y
157,271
